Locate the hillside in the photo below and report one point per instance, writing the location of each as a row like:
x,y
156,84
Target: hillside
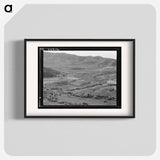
x,y
79,80
68,61
48,72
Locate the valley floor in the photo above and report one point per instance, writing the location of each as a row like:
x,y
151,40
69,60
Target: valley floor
x,y
74,90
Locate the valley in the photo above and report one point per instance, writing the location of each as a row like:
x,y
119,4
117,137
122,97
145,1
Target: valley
x,y
78,80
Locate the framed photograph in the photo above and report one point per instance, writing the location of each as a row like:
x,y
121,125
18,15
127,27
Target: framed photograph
x,y
80,78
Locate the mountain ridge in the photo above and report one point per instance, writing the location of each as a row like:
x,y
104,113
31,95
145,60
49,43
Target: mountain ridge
x,y
62,60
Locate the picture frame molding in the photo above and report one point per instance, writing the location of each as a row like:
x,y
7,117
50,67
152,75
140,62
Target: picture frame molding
x,y
25,76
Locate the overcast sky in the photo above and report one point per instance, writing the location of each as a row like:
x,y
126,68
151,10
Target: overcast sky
x,y
105,54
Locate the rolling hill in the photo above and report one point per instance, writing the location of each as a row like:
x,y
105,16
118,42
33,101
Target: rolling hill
x,y
78,80
65,62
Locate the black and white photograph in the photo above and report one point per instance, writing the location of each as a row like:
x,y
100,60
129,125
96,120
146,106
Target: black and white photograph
x,y
79,77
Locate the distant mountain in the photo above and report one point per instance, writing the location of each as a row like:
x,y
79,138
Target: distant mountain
x,y
66,61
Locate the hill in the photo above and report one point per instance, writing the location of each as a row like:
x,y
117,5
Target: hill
x,y
48,72
78,80
65,62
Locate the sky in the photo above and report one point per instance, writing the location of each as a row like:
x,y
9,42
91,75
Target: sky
x,y
105,54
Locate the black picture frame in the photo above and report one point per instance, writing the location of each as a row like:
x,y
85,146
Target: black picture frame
x,y
116,48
